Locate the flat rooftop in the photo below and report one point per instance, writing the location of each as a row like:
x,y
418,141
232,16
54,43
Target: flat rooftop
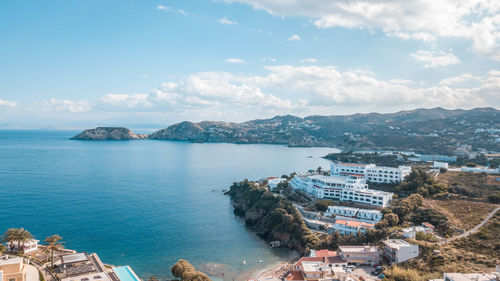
x,y
99,276
78,257
5,260
396,243
357,249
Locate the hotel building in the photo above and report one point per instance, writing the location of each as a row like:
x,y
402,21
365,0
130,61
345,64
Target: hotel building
x,y
341,187
371,172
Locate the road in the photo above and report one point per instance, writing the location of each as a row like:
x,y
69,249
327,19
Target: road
x,y
471,231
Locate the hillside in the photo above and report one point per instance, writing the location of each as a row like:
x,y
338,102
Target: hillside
x,y
424,130
434,130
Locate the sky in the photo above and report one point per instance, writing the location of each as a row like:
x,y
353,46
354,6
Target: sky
x,y
151,63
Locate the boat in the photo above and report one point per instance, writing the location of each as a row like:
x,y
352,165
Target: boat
x,y
244,262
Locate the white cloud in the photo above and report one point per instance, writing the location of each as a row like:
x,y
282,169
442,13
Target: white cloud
x,y
474,20
7,104
224,20
234,60
301,90
164,8
294,37
130,101
170,9
459,79
435,59
309,60
65,105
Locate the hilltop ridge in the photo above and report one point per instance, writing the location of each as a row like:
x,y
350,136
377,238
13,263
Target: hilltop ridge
x,y
435,130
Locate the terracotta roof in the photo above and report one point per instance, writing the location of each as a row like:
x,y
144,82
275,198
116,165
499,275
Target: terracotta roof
x,y
295,275
325,253
350,174
426,224
334,259
354,223
271,178
352,164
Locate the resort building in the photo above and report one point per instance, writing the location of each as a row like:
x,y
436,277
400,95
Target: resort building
x,y
28,246
397,250
320,264
272,182
344,188
12,269
371,172
84,267
341,211
351,227
360,255
362,214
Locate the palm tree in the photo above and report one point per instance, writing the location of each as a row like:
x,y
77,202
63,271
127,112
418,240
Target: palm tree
x,y
54,243
24,236
13,235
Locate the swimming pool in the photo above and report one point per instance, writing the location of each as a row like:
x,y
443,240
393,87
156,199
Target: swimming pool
x,y
125,273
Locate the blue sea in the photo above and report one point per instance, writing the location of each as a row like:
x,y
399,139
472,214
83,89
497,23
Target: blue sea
x,y
141,203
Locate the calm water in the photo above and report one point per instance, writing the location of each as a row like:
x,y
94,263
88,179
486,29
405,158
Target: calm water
x,y
140,203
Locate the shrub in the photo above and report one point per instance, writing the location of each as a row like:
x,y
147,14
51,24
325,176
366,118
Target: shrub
x,y
322,205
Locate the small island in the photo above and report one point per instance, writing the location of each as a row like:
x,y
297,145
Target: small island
x,y
109,133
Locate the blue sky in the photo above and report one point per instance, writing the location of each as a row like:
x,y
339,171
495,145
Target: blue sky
x,y
73,64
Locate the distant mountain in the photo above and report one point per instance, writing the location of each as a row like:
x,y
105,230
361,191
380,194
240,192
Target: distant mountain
x,y
434,130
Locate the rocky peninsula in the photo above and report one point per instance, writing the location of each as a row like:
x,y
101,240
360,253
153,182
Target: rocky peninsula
x,y
109,133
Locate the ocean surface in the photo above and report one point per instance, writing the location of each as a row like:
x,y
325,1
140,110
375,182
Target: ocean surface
x,y
141,203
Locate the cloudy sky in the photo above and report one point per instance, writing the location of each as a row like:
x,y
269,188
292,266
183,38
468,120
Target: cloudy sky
x,y
83,63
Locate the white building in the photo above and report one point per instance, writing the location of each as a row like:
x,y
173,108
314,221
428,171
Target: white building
x,y
360,255
273,182
371,215
411,232
28,246
397,250
341,211
371,172
344,188
437,164
363,214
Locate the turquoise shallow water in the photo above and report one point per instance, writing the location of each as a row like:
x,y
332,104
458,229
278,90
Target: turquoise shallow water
x,y
140,203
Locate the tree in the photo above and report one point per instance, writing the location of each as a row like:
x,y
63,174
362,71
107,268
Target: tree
x,y
19,235
24,236
186,272
382,224
322,205
54,243
392,219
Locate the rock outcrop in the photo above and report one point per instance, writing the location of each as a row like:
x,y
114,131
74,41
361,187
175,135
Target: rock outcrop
x,y
109,133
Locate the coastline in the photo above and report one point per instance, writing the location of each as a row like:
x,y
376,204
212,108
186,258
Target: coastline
x,y
272,272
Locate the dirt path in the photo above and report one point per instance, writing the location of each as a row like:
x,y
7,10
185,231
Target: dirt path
x,y
471,231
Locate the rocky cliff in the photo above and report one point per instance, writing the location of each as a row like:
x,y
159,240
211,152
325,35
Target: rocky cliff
x,y
273,217
109,133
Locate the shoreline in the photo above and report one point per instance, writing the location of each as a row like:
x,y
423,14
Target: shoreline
x,y
273,271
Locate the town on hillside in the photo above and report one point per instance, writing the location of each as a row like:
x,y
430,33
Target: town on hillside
x,y
409,220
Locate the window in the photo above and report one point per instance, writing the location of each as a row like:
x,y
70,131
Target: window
x,y
12,279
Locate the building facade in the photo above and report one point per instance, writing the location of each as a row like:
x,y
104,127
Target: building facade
x,y
397,250
351,226
344,188
362,214
12,269
360,255
371,172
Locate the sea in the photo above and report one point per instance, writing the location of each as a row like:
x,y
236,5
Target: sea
x,y
143,203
